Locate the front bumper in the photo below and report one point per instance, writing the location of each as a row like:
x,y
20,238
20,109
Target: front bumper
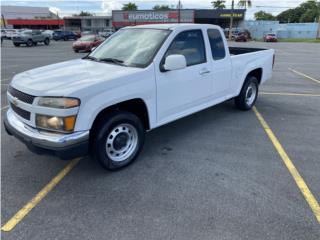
x,y
65,146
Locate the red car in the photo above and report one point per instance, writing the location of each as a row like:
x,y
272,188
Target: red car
x,y
87,42
270,37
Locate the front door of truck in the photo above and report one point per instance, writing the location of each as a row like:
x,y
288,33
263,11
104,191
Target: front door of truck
x,y
179,91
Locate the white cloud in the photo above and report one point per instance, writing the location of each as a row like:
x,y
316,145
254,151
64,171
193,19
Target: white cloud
x,y
109,5
55,10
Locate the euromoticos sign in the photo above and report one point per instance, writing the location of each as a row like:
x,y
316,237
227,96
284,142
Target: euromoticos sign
x,y
128,18
146,16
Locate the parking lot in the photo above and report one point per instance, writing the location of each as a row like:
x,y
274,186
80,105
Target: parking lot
x,y
217,174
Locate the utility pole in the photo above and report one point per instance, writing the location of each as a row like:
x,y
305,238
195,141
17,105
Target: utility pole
x,y
318,32
179,11
3,21
231,20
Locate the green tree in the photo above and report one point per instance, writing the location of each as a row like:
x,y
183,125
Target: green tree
x,y
84,13
161,7
244,4
262,15
308,11
219,4
129,7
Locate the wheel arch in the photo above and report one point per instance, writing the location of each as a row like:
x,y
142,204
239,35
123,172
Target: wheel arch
x,y
136,106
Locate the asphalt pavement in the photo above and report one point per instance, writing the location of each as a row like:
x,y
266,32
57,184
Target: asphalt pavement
x,y
212,175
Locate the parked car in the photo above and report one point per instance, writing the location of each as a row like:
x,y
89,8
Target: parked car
x,y
10,33
86,33
270,37
30,38
49,33
106,33
64,35
241,37
141,78
87,42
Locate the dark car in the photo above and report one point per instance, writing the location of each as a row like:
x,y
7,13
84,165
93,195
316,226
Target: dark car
x,y
270,37
87,42
64,35
241,37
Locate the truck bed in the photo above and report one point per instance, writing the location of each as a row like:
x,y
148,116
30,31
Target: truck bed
x,y
243,50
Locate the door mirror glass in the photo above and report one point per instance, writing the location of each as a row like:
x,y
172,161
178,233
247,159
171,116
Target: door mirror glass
x,y
175,62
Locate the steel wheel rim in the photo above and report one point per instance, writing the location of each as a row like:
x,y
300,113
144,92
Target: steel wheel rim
x,y
122,142
251,94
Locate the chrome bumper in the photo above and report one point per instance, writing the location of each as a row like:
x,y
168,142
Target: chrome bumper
x,y
42,139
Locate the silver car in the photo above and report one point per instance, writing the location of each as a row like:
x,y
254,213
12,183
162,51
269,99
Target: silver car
x,y
30,38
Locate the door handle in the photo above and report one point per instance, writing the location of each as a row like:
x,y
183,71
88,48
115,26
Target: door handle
x,y
204,71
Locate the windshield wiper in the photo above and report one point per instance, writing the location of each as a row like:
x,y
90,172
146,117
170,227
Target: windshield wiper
x,y
91,58
113,60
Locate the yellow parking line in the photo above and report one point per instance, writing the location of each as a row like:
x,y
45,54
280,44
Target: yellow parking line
x,y
37,199
291,94
311,200
304,75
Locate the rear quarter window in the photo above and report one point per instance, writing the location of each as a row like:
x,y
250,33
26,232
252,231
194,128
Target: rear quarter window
x,y
217,44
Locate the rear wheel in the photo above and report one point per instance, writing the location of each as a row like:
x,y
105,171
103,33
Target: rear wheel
x,y
29,43
47,41
118,139
65,38
248,95
16,44
35,43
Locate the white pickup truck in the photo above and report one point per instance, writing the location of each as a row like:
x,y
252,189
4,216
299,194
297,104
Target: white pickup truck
x,y
140,78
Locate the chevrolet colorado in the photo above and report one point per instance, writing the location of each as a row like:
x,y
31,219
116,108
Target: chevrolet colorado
x,y
140,78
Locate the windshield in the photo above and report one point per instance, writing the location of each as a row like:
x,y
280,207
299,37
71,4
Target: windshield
x,y
87,38
132,47
28,32
272,35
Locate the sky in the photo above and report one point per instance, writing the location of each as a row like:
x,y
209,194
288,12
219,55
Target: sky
x,y
104,7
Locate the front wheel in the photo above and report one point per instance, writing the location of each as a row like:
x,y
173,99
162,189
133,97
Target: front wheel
x,y
248,95
29,43
118,139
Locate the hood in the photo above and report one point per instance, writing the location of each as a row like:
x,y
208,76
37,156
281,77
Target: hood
x,y
67,78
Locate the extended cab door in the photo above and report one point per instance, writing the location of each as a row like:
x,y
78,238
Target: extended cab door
x,y
180,90
221,64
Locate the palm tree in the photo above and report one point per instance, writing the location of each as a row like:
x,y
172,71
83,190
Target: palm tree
x,y
129,7
219,4
244,3
241,3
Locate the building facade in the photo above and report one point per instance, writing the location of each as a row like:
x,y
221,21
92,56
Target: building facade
x,y
219,17
93,24
29,17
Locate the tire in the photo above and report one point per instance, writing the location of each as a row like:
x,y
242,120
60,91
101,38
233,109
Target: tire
x,y
16,44
29,43
35,43
46,41
248,94
118,139
65,38
76,51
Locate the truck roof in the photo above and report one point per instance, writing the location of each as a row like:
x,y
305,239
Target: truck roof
x,y
172,26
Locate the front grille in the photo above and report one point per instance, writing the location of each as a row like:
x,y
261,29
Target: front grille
x,y
20,95
22,113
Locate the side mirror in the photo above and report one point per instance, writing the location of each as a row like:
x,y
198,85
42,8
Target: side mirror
x,y
175,62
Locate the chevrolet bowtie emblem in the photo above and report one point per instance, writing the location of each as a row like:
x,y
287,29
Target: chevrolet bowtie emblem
x,y
15,101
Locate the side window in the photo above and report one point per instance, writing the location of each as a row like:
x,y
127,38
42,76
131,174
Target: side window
x,y
191,45
216,43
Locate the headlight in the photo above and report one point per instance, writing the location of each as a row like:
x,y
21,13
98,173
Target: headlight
x,y
61,124
58,102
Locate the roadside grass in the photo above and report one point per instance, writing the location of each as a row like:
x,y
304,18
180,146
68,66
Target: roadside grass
x,y
307,40
295,40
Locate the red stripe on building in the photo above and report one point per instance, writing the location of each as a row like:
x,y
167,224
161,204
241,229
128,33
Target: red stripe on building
x,y
30,22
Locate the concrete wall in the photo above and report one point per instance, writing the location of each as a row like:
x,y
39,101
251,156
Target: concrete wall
x,y
290,30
